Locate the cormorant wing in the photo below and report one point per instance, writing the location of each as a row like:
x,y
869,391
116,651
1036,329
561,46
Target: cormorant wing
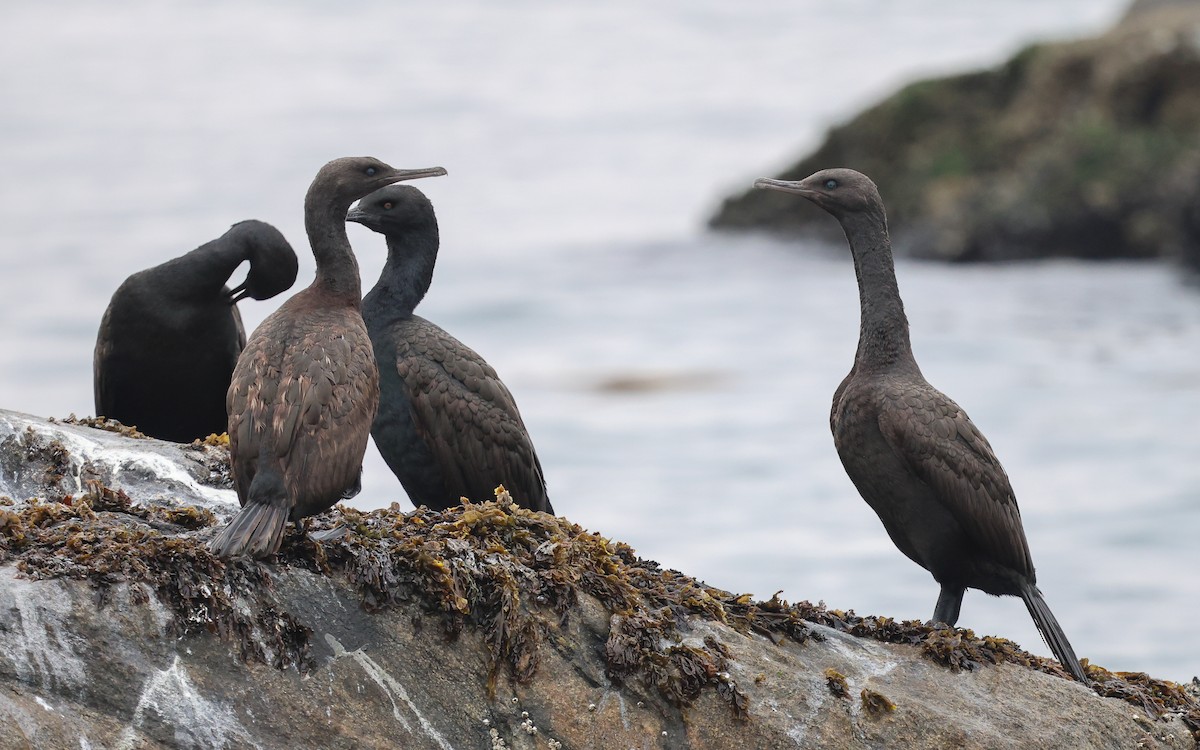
x,y
467,418
943,449
283,389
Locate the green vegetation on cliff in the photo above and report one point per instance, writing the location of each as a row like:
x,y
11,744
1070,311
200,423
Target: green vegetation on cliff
x,y
1083,149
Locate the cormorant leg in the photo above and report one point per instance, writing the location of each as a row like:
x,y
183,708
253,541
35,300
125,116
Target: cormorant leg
x,y
948,603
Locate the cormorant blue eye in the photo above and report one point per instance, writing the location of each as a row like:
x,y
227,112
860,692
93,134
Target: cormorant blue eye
x,y
831,184
370,171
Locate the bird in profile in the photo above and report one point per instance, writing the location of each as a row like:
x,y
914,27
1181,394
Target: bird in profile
x,y
912,453
447,426
306,387
171,334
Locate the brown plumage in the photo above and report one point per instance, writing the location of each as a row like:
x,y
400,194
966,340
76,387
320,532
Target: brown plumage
x,y
447,426
306,387
912,453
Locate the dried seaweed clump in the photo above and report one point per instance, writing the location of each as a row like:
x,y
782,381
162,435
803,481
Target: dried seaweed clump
x,y
837,683
961,649
955,648
30,447
101,423
1156,697
648,645
506,571
55,455
217,441
515,574
876,704
106,539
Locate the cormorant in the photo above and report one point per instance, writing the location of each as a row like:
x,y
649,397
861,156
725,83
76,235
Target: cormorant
x,y
913,453
171,334
306,387
447,426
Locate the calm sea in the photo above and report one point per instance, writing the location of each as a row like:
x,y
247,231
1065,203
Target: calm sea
x,y
677,383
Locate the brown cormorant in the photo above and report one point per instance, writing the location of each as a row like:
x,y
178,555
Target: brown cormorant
x,y
913,453
171,335
447,426
306,387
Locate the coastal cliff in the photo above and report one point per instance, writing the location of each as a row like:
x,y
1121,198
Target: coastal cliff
x,y
1086,149
484,626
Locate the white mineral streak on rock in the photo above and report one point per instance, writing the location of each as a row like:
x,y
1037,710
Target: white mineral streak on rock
x,y
197,722
870,658
116,455
392,687
38,638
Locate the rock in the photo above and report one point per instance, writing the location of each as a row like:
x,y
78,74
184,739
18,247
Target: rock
x,y
485,626
1086,149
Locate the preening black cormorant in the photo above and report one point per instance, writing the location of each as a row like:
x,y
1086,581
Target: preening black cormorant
x,y
171,335
913,453
446,425
306,387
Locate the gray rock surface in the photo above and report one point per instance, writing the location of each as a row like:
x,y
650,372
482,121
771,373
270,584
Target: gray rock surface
x,y
329,646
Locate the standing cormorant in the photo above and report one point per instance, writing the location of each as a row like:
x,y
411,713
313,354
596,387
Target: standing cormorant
x,y
447,426
913,453
306,387
171,335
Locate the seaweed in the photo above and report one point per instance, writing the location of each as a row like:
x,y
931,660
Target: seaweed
x,y
1156,697
512,575
837,683
876,704
102,423
104,538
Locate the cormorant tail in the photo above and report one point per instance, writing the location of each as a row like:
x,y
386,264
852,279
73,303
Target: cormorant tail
x,y
257,530
1052,632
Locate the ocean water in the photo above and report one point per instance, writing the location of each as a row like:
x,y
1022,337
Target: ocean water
x,y
676,382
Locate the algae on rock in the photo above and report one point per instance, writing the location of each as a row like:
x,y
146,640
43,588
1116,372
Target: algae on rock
x,y
483,625
1085,149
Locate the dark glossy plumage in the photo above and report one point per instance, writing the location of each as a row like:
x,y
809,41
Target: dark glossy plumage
x,y
171,335
447,426
306,387
913,453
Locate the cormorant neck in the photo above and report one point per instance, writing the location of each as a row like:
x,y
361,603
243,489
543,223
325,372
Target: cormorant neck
x,y
407,273
337,268
203,272
883,340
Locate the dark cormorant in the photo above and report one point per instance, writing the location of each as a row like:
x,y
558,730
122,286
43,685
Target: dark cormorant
x,y
172,334
913,453
306,387
446,426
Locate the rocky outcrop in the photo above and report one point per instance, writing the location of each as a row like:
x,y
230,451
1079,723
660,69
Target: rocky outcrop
x,y
1086,149
486,626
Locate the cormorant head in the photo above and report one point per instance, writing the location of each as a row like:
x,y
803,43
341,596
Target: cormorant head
x,y
395,209
273,264
343,181
839,191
